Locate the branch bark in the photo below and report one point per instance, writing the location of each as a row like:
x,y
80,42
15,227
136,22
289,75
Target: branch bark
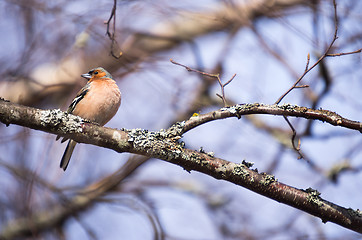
x,y
164,145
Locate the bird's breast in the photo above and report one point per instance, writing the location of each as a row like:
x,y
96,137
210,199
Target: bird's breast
x,y
100,103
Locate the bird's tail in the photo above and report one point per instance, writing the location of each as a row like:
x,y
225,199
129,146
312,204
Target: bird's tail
x,y
67,154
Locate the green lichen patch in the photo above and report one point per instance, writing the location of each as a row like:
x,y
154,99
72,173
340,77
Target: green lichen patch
x,y
268,179
314,197
63,121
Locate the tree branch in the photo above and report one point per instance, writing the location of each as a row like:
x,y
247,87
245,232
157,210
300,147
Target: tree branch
x,y
281,110
164,145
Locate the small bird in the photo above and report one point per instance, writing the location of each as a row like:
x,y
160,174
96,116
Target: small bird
x,y
98,101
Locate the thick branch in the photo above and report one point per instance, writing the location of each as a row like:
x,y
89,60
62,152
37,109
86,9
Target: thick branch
x,y
164,145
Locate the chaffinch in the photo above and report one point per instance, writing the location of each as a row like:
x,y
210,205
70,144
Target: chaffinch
x,y
98,101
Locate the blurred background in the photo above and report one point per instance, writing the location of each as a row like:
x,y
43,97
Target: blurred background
x,y
46,45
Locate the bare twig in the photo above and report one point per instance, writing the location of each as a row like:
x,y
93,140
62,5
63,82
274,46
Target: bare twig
x,y
222,86
335,37
296,148
216,75
307,69
343,53
299,79
113,34
194,70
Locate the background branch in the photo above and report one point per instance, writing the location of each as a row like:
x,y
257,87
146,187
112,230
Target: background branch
x,y
264,43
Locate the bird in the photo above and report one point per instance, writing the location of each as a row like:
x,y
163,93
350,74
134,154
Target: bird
x,y
98,101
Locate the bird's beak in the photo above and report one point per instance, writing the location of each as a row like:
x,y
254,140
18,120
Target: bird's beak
x,y
86,76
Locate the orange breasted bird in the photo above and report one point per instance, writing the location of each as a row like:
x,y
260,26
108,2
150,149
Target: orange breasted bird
x,y
98,101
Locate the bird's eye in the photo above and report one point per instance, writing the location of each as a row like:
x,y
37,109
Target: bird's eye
x,y
96,72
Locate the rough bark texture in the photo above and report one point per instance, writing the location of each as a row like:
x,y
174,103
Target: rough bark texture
x,y
166,145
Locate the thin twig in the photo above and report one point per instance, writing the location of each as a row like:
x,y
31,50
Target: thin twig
x,y
112,36
335,37
213,75
194,70
342,54
296,148
222,86
299,79
295,85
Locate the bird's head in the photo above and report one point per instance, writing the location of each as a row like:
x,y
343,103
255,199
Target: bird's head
x,y
98,72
